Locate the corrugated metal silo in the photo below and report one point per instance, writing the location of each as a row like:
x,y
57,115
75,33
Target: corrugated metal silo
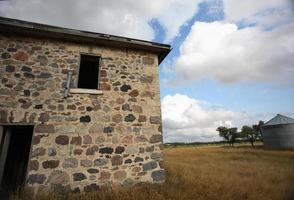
x,y
278,132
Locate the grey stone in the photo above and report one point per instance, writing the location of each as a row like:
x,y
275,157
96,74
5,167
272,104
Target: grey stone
x,y
108,129
92,150
125,88
70,163
155,120
126,107
139,159
36,178
158,176
79,176
5,91
128,183
156,156
93,171
130,118
86,119
132,150
43,128
106,150
52,151
10,68
149,166
100,162
155,138
146,79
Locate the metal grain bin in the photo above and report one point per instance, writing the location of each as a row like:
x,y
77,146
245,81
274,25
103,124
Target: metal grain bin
x,y
278,132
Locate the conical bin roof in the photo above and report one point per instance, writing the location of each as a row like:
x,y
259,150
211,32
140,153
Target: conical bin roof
x,y
279,119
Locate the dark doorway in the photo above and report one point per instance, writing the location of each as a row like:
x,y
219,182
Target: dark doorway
x,y
15,146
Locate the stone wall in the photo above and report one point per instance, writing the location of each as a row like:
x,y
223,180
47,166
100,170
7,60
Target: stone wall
x,y
85,140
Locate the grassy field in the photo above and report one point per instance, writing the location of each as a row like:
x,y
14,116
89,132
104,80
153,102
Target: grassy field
x,y
216,173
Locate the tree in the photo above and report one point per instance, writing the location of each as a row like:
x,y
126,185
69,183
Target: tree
x,y
229,134
252,133
249,133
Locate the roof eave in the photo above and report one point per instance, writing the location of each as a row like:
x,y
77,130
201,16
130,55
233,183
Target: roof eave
x,y
13,26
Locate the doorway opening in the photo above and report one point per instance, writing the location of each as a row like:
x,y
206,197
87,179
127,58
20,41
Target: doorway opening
x,y
15,146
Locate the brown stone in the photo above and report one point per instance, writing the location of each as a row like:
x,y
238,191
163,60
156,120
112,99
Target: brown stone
x,y
34,165
22,56
71,107
37,139
39,152
147,60
50,164
155,138
142,118
92,150
120,175
104,175
141,138
44,117
137,109
116,160
96,128
117,118
62,140
58,177
134,93
120,100
103,73
155,120
78,151
148,94
76,140
86,163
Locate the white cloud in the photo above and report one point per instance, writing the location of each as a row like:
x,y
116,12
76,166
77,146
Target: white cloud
x,y
186,119
266,13
225,53
126,17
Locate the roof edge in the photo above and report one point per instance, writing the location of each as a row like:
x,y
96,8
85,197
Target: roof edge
x,y
20,27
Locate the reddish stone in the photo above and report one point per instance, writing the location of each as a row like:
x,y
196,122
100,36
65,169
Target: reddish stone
x,y
103,73
105,86
120,175
127,139
62,140
116,160
87,139
22,56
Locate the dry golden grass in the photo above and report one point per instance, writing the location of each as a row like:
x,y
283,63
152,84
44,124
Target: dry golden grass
x,y
213,173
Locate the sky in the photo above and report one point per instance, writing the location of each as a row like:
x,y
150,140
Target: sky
x,y
232,62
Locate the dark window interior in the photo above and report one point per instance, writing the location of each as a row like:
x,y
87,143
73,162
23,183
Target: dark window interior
x,y
89,72
15,145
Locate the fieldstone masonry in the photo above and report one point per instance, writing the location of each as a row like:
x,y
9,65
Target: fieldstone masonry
x,y
83,141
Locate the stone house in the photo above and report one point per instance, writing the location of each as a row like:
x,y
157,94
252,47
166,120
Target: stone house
x,y
78,109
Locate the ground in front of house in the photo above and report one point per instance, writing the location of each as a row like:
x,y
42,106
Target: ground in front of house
x,y
217,172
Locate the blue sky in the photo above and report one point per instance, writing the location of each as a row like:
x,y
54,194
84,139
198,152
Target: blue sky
x,y
231,63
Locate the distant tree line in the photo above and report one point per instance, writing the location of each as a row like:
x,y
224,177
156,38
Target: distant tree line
x,y
249,133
